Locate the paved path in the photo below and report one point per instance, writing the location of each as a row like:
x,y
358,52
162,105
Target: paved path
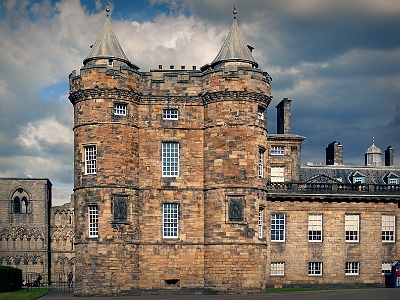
x,y
353,294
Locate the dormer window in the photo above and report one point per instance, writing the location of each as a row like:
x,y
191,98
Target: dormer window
x,y
357,178
391,179
110,63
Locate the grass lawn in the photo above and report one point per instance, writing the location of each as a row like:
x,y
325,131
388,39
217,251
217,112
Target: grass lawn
x,y
23,294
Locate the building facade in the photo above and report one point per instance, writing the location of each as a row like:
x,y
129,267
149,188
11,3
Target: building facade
x,y
25,225
179,187
167,167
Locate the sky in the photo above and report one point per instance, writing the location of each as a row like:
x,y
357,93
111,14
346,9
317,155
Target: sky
x,y
338,60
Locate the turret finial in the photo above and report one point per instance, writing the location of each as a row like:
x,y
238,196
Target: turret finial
x,y
234,11
107,9
373,140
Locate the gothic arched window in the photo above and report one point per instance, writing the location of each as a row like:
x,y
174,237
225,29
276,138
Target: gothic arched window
x,y
17,205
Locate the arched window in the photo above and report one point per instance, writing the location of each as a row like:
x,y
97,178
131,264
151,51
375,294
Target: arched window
x,y
24,205
17,205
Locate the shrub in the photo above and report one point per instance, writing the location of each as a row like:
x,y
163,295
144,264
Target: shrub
x,y
10,279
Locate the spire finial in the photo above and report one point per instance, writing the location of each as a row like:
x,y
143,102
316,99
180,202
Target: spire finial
x,y
107,9
234,11
373,140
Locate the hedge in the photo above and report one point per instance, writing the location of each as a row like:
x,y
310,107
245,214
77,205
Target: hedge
x,y
10,279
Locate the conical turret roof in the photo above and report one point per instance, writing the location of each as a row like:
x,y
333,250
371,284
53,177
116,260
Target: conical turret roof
x,y
234,48
108,47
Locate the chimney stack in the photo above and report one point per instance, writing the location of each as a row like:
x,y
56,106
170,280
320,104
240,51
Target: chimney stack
x,y
283,116
334,154
389,156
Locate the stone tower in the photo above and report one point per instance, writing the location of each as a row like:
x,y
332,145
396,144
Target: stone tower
x,y
236,95
169,182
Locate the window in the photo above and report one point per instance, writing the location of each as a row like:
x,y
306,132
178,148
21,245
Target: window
x,y
315,268
261,113
388,226
17,205
277,227
315,228
277,269
93,221
260,222
170,159
110,63
352,228
352,268
90,160
277,174
393,181
277,150
170,220
24,205
386,268
170,114
358,180
261,163
119,109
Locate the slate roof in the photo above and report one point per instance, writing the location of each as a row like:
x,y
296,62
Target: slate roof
x,y
334,174
234,48
108,47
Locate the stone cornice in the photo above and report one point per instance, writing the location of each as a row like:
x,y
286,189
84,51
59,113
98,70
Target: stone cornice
x,y
210,97
112,93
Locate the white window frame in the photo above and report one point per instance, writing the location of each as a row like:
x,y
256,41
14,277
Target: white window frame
x,y
93,221
277,150
170,159
386,268
170,114
278,226
277,174
260,222
315,269
388,228
277,269
120,109
315,228
90,159
170,220
352,228
261,163
352,268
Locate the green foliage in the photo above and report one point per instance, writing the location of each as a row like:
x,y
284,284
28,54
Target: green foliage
x,y
10,279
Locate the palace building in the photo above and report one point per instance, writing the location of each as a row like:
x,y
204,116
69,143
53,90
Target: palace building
x,y
180,187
